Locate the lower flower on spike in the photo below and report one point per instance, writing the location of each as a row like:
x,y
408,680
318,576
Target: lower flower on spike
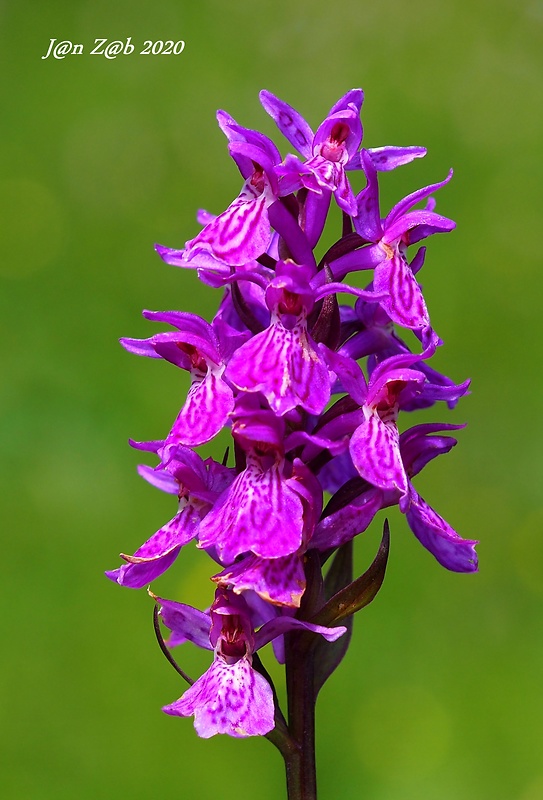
x,y
230,697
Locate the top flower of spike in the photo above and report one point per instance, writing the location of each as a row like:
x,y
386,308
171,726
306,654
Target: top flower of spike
x,y
334,148
329,150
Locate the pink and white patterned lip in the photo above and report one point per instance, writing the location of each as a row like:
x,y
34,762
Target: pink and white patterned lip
x,y
285,366
206,410
375,444
197,485
228,698
238,235
280,581
404,301
375,452
261,513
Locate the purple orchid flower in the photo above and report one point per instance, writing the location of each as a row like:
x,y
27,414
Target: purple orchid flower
x,y
197,484
404,302
241,233
369,332
418,445
279,348
268,508
393,384
328,151
202,350
231,696
283,362
235,239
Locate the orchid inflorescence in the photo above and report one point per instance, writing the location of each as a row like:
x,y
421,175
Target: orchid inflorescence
x,y
279,365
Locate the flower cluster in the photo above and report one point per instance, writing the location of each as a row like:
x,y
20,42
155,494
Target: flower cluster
x,y
311,391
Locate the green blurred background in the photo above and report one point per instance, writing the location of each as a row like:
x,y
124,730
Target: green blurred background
x,y
440,695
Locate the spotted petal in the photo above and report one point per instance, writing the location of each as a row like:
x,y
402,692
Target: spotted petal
x,y
389,157
206,409
291,124
228,698
261,512
285,366
280,581
405,304
375,451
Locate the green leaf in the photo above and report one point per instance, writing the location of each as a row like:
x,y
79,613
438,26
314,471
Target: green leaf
x,y
340,573
358,594
327,656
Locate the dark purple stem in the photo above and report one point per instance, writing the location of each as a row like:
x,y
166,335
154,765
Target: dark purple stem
x,y
300,763
301,694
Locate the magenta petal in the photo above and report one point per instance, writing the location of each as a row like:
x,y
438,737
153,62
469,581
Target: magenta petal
x,y
159,478
341,526
349,374
280,581
285,366
158,553
151,446
344,194
276,627
228,698
238,235
437,536
260,512
203,261
354,96
405,304
135,576
411,200
291,124
387,158
139,347
177,532
205,412
185,622
375,451
198,330
420,444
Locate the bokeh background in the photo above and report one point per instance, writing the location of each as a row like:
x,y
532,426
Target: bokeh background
x,y
440,695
